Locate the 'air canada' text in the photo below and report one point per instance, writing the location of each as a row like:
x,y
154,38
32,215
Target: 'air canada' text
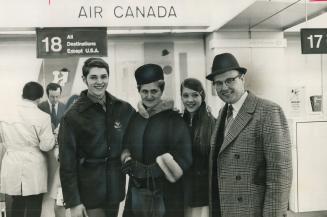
x,y
145,12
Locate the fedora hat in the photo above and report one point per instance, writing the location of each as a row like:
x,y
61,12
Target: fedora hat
x,y
223,63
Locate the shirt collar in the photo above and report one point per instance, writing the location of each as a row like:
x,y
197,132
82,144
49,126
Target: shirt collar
x,y
56,104
94,99
237,106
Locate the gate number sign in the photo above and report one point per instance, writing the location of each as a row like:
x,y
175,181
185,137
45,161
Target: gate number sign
x,y
314,41
74,41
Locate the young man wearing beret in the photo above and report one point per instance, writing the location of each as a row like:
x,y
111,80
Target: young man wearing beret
x,y
90,145
250,164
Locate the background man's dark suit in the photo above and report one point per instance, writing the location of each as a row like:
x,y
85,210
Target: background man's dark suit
x,y
44,106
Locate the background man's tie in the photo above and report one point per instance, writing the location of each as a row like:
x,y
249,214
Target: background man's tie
x,y
53,116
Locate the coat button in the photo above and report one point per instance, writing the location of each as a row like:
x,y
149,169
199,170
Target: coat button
x,y
237,156
240,199
238,177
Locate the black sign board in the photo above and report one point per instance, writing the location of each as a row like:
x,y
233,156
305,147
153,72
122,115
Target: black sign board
x,y
71,41
314,41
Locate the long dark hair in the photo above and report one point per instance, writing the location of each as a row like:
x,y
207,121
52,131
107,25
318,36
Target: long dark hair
x,y
205,120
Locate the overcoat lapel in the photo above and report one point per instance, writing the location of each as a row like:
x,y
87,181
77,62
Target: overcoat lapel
x,y
216,127
241,120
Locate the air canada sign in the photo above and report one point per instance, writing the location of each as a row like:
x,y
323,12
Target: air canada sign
x,y
145,11
109,13
123,11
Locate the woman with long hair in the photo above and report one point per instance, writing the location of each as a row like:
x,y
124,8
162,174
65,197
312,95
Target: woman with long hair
x,y
200,122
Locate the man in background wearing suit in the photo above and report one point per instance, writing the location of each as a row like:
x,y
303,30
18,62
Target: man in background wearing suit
x,y
250,164
56,110
53,106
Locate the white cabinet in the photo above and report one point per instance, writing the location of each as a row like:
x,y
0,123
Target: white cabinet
x,y
309,151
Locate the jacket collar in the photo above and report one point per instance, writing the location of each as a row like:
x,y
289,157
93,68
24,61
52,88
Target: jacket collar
x,y
243,117
84,102
163,105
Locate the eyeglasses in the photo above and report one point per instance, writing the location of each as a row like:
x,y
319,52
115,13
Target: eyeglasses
x,y
228,82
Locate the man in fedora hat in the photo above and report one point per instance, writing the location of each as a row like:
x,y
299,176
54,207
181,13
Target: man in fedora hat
x,y
250,164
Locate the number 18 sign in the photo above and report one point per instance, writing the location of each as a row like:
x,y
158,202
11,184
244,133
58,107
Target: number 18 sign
x,y
314,41
73,41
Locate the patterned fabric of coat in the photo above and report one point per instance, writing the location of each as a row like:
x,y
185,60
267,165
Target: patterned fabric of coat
x,y
254,161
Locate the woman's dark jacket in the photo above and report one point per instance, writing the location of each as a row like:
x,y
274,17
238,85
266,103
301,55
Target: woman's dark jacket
x,y
197,178
90,145
148,138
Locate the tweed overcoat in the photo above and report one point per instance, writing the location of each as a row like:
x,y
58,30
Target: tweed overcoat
x,y
254,169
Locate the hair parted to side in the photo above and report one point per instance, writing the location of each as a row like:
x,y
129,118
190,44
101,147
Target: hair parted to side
x,y
160,83
193,84
94,62
53,86
32,91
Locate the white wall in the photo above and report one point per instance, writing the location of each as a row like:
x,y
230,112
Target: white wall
x,y
19,64
273,69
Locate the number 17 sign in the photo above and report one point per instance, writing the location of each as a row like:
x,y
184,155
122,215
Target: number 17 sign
x,y
74,41
314,41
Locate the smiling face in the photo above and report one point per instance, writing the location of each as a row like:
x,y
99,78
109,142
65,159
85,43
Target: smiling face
x,y
97,81
191,99
150,94
229,86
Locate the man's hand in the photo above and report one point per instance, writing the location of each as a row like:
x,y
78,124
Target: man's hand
x,y
78,211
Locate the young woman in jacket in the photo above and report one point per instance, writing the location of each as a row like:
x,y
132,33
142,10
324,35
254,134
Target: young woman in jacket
x,y
200,123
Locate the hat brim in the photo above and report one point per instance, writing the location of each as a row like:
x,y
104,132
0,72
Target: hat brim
x,y
218,72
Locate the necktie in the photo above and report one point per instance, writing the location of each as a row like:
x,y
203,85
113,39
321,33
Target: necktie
x,y
229,118
53,115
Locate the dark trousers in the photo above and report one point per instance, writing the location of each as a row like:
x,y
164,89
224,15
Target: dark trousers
x,y
110,210
25,206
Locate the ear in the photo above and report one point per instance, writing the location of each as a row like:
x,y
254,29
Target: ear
x,y
242,77
161,93
84,79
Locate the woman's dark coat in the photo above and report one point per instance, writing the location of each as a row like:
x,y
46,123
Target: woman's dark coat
x,y
148,138
90,145
197,177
